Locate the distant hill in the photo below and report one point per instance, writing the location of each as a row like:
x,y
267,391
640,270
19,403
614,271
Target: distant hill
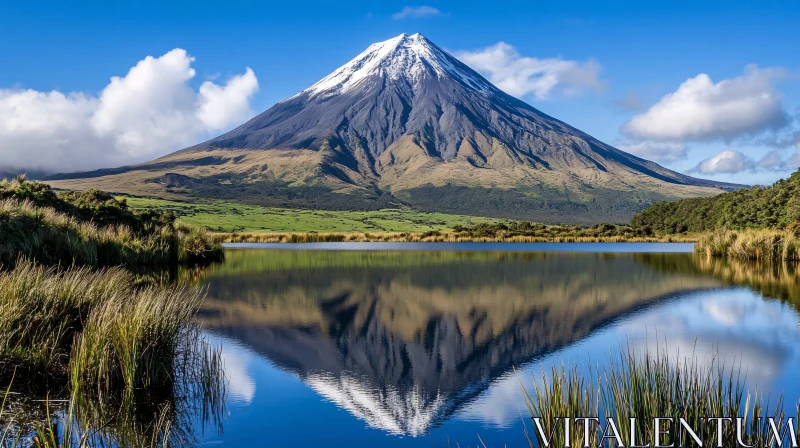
x,y
758,207
406,123
8,173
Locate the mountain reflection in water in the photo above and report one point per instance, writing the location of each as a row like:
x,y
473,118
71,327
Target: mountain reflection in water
x,y
403,340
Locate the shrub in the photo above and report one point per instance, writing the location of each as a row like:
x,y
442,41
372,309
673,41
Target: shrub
x,y
775,207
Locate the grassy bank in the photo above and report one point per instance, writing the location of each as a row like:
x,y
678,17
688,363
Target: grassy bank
x,y
753,244
92,228
53,237
649,387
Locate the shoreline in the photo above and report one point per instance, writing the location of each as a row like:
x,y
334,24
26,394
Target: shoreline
x,y
435,237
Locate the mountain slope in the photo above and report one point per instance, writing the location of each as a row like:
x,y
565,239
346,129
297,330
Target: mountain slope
x,y
406,123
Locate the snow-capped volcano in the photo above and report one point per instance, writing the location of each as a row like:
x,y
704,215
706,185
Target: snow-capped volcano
x,y
404,57
406,123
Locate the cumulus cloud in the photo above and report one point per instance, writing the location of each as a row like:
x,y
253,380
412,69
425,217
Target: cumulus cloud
x,y
701,110
520,75
727,161
655,151
410,12
147,113
773,160
781,159
730,161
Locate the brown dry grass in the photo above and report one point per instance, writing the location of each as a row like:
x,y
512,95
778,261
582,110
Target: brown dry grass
x,y
752,244
437,237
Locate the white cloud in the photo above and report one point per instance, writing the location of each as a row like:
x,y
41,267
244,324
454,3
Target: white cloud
x,y
410,12
145,114
655,151
779,160
520,75
702,111
773,160
727,314
218,104
728,161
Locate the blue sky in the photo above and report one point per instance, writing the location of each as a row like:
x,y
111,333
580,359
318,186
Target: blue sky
x,y
640,51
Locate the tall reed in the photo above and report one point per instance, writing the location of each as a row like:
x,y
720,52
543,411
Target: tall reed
x,y
42,309
132,343
753,244
123,352
93,325
644,388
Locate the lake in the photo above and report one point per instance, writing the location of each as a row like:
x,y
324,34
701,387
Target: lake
x,y
415,345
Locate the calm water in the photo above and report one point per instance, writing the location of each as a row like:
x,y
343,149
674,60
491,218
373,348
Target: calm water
x,y
382,345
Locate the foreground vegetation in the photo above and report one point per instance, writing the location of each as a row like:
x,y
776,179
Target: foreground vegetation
x,y
109,346
91,325
649,387
94,229
76,327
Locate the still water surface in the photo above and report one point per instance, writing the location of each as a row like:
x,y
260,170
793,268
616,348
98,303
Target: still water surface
x,y
375,345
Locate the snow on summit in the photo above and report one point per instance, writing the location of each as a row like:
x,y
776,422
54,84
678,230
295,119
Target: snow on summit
x,y
409,57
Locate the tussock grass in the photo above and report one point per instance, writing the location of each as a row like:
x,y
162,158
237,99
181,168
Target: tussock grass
x,y
130,359
755,244
646,387
42,309
53,238
93,325
132,343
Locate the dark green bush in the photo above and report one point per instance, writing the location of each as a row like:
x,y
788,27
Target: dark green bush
x,y
775,207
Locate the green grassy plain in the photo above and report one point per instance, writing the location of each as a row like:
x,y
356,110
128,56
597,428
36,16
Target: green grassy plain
x,y
220,216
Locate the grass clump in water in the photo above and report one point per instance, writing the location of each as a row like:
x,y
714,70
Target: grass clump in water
x,y
92,325
646,388
753,244
132,343
42,309
129,362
